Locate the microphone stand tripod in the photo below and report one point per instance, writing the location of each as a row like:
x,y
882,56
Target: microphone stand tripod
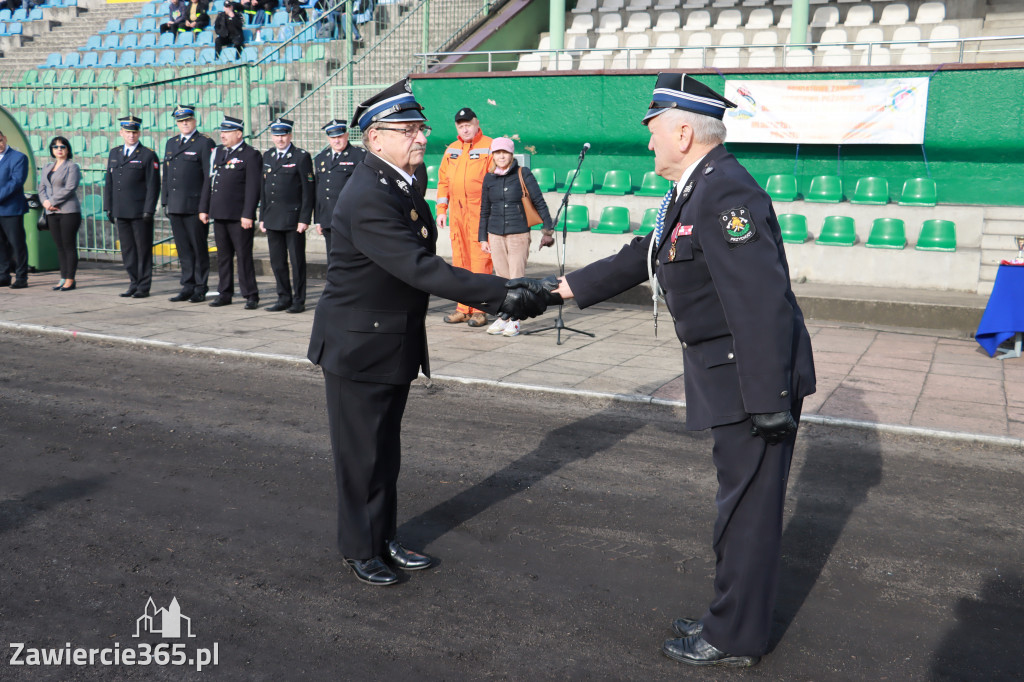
x,y
559,323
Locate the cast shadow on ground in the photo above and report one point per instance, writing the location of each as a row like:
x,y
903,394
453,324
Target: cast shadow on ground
x,y
18,512
985,642
835,479
561,446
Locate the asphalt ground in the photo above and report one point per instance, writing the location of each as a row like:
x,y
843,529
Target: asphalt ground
x,y
570,533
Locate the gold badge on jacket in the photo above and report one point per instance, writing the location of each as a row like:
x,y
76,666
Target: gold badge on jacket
x,y
414,215
423,231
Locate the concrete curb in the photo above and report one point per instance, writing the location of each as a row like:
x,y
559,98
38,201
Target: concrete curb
x,y
822,420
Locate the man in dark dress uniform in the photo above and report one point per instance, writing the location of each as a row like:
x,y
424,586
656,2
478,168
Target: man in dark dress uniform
x,y
369,333
231,192
186,164
285,211
130,193
333,167
717,254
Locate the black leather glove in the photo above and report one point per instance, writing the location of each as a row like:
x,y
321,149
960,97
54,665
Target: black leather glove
x,y
527,298
774,427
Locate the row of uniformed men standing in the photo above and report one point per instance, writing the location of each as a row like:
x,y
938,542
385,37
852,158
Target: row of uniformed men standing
x,y
225,184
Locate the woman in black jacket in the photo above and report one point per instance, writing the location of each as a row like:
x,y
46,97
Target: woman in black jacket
x,y
504,229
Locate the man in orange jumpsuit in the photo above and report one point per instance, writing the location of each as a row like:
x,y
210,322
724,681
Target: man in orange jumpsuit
x,y
459,183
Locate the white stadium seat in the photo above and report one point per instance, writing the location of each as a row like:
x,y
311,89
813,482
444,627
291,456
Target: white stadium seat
x,y
906,33
945,32
667,21
726,59
668,40
699,39
560,61
930,13
594,60
825,17
581,23
690,58
871,34
916,55
610,23
765,38
658,60
833,35
697,20
762,58
641,40
530,61
860,15
786,18
585,7
728,20
639,5
611,6
836,56
638,22
879,56
894,15
609,41
798,57
759,19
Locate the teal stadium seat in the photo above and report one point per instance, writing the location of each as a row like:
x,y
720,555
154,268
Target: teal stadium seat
x,y
92,206
793,227
130,26
826,189
131,42
782,187
919,192
887,233
838,230
647,224
113,26
584,181
90,60
432,177
614,220
93,43
61,120
871,190
79,145
937,235
146,42
577,218
653,185
616,182
545,178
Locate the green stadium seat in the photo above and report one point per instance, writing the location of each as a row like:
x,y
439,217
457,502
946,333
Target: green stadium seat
x,y
31,77
146,75
47,77
211,97
838,230
584,181
92,206
26,98
887,233
68,77
38,120
79,145
314,53
105,77
653,185
648,223
213,118
8,97
103,98
919,192
794,228
86,77
782,187
44,98
545,178
143,97
614,220
260,96
233,97
871,190
273,73
81,121
165,74
100,146
616,182
103,121
168,98
148,120
937,235
21,116
432,177
60,121
827,189
125,77
577,219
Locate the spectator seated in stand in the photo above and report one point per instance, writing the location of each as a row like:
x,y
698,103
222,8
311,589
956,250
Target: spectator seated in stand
x,y
333,23
296,12
228,27
177,14
198,16
10,4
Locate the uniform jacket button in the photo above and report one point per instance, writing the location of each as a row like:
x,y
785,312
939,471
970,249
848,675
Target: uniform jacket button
x,y
730,356
684,344
376,324
784,394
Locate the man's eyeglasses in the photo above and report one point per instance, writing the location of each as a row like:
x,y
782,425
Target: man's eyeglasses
x,y
58,146
410,132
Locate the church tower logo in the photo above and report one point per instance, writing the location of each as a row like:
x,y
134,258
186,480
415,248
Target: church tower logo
x,y
168,623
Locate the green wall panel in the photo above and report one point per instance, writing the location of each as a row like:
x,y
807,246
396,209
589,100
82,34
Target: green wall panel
x,y
974,133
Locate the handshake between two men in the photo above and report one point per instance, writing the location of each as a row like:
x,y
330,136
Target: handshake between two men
x,y
528,297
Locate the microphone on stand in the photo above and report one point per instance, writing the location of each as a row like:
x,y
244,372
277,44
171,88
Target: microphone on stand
x,y
583,152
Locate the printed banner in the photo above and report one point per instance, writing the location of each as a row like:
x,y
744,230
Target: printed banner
x,y
878,111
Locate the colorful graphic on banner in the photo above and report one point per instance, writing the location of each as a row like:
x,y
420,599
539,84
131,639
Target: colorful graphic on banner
x,y
879,111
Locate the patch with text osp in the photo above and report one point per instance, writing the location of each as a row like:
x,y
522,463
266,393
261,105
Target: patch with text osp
x,y
737,226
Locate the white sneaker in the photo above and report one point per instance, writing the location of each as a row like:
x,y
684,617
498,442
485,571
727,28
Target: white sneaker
x,y
497,327
511,328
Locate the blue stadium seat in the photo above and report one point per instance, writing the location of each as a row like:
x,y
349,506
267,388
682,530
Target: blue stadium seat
x,y
3,29
166,40
111,42
228,56
280,18
271,57
148,25
19,15
35,15
126,58
284,33
113,26
90,60
14,28
108,58
186,56
249,54
53,60
205,39
184,39
5,15
130,26
147,41
150,10
207,56
130,41
291,53
71,59
165,58
93,43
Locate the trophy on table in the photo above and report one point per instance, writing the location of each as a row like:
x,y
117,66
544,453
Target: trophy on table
x,y
1020,249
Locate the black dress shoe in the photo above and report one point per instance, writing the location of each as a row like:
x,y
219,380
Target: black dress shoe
x,y
19,285
181,297
197,297
297,308
128,294
687,627
278,307
70,288
694,650
59,286
252,303
218,302
372,571
406,559
140,294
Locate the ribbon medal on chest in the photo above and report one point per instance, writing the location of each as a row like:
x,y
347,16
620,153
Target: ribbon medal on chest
x,y
680,230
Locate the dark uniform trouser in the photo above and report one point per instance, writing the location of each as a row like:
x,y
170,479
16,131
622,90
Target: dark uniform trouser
x,y
136,235
231,239
752,477
327,238
366,424
190,237
288,245
13,251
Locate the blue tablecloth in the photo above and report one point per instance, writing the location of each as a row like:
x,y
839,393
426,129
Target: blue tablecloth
x,y
1004,314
